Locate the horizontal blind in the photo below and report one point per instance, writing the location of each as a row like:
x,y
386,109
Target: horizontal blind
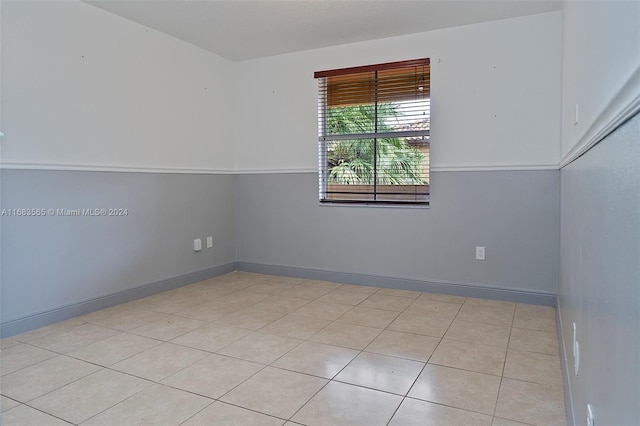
x,y
373,125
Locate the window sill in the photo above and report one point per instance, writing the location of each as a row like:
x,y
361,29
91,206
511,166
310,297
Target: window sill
x,y
374,205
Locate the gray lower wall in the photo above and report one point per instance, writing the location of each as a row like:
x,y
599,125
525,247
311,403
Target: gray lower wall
x,y
49,263
55,267
514,214
599,286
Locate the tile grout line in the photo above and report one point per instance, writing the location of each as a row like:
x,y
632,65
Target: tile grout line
x,y
425,364
495,406
346,365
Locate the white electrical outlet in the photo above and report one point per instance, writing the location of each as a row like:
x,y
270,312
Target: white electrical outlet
x,y
574,339
576,360
591,419
197,244
479,253
209,242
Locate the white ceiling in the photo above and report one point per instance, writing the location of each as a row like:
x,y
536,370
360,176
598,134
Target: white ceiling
x,y
241,29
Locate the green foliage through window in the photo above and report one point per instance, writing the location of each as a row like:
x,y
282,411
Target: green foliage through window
x,y
351,161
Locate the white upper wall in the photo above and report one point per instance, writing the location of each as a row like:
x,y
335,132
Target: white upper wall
x,y
601,67
496,96
84,88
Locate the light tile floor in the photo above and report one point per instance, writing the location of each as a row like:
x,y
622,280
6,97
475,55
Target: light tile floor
x,y
250,349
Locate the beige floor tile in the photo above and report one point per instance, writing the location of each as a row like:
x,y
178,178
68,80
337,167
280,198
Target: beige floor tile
x,y
344,404
443,298
31,382
322,310
101,314
246,276
541,318
23,415
469,356
381,372
531,403
492,304
497,421
487,334
232,287
345,297
270,287
213,376
166,303
487,315
286,280
389,303
275,392
239,281
359,288
434,308
421,413
252,318
212,294
321,284
346,335
316,359
534,341
8,342
73,338
398,293
180,293
167,328
533,367
157,405
22,355
404,345
282,304
213,311
296,326
463,389
260,347
208,289
160,361
230,283
243,296
222,414
114,349
306,292
142,303
45,331
377,318
7,404
211,337
90,395
421,323
540,310
127,319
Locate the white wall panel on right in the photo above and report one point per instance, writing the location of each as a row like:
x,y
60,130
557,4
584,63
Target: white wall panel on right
x,y
601,53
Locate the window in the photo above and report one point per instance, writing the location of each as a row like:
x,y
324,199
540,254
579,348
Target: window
x,y
373,125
